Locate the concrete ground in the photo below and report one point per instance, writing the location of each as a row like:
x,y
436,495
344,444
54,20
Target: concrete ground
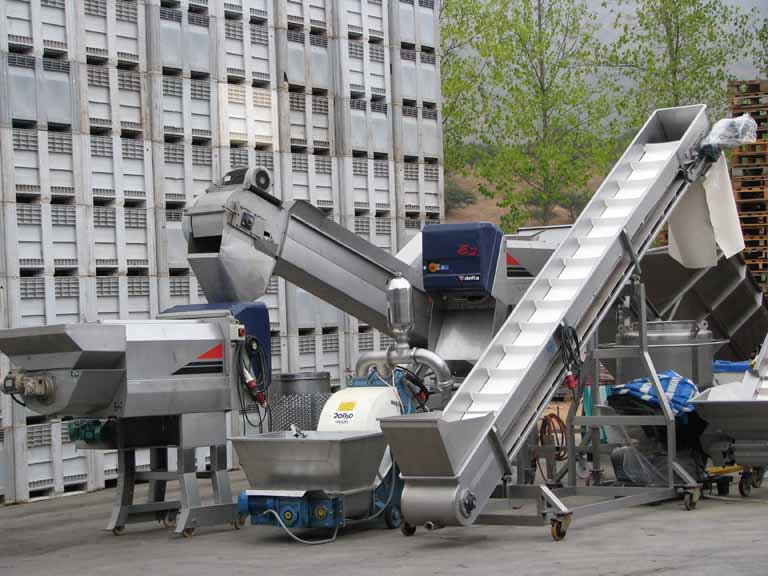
x,y
65,536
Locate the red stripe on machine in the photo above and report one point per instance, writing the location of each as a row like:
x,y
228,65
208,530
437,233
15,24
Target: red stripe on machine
x,y
215,353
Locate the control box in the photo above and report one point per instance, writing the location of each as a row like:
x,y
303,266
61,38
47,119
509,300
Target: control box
x,y
460,258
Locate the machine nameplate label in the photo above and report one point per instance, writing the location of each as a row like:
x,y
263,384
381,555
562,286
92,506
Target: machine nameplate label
x,y
345,412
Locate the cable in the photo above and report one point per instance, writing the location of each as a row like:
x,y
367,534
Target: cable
x,y
297,538
243,408
418,383
19,402
554,426
570,350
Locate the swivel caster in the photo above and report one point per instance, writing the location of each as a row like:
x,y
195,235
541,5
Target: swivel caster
x,y
392,517
240,522
118,530
188,532
407,529
689,501
757,477
745,486
558,530
169,520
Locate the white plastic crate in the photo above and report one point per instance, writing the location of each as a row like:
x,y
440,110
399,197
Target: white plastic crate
x,y
142,297
109,459
126,297
366,64
46,238
54,463
39,90
366,125
307,53
107,297
43,166
178,290
384,230
414,22
370,181
184,45
129,94
188,106
310,177
120,169
124,239
172,246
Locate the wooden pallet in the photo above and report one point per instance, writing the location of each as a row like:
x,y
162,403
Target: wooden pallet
x,y
757,264
750,160
756,219
741,182
756,242
752,148
747,172
743,88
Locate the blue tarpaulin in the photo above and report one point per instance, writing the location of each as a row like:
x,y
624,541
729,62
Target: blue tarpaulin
x,y
679,391
720,366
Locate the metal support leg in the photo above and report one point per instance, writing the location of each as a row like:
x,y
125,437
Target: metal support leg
x,y
126,482
158,462
597,469
190,495
222,492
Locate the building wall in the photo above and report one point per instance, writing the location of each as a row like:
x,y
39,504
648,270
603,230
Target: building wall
x,y
115,115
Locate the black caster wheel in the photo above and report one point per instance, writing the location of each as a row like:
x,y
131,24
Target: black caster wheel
x,y
392,517
745,486
689,500
169,520
407,529
188,532
558,530
117,530
723,487
757,477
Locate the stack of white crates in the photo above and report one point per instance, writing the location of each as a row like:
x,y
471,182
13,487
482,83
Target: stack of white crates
x,y
115,115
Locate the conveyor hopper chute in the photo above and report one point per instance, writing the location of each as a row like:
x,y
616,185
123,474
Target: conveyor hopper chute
x,y
333,462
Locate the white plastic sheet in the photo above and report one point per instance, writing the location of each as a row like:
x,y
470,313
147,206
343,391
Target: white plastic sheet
x,y
705,219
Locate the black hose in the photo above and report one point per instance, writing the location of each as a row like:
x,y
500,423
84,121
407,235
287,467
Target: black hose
x,y
570,348
19,402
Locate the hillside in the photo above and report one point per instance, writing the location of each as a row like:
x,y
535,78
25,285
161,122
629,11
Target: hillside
x,y
486,210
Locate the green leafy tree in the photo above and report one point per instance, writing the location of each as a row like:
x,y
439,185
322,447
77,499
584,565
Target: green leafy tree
x,y
761,48
456,196
546,124
677,52
469,30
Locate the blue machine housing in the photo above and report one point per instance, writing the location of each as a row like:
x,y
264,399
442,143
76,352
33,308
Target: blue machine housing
x,y
253,315
460,258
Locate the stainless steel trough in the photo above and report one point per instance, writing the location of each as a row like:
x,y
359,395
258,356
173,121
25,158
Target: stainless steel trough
x,y
334,462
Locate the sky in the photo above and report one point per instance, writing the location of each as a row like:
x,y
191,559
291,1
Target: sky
x,y
744,70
